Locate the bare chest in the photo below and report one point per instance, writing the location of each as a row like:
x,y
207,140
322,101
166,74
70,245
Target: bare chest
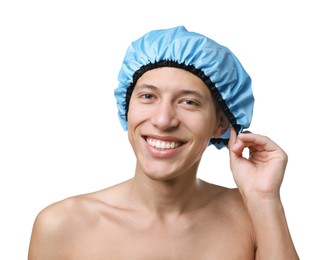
x,y
172,242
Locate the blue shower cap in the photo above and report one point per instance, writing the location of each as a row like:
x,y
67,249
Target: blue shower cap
x,y
215,64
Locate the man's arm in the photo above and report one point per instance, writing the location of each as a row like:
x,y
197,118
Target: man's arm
x,y
258,179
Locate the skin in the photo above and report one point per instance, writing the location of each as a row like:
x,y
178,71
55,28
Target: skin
x,y
165,211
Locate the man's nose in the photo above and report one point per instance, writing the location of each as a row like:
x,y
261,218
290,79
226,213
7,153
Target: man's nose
x,y
165,116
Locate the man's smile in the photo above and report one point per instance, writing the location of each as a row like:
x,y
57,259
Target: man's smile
x,y
160,144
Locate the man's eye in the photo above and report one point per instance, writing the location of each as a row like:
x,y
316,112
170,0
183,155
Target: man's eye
x,y
147,96
191,102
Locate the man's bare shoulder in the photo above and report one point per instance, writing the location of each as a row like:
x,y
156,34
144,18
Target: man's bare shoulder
x,y
66,222
231,197
80,209
223,194
73,210
228,202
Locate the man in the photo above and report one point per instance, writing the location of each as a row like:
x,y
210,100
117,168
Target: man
x,y
179,92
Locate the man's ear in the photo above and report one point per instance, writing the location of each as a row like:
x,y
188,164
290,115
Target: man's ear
x,y
223,124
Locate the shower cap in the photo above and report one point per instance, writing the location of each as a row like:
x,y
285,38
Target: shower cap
x,y
215,64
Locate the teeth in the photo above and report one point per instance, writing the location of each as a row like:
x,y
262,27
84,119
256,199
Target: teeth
x,y
161,144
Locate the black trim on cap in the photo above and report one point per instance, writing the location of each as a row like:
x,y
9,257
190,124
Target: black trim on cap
x,y
214,141
191,68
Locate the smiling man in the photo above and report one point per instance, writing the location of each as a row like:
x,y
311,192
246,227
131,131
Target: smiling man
x,y
178,92
171,122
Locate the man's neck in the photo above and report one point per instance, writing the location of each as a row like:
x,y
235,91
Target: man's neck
x,y
165,197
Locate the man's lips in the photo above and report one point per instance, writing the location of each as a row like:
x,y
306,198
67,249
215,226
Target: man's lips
x,y
163,145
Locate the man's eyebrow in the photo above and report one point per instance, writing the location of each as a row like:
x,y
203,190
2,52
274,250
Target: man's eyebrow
x,y
191,92
181,92
145,86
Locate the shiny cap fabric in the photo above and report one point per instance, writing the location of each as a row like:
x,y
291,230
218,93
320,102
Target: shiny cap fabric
x,y
215,64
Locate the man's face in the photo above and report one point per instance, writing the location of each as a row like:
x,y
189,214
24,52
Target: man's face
x,y
170,121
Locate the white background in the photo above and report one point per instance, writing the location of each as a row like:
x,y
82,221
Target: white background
x,y
59,131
